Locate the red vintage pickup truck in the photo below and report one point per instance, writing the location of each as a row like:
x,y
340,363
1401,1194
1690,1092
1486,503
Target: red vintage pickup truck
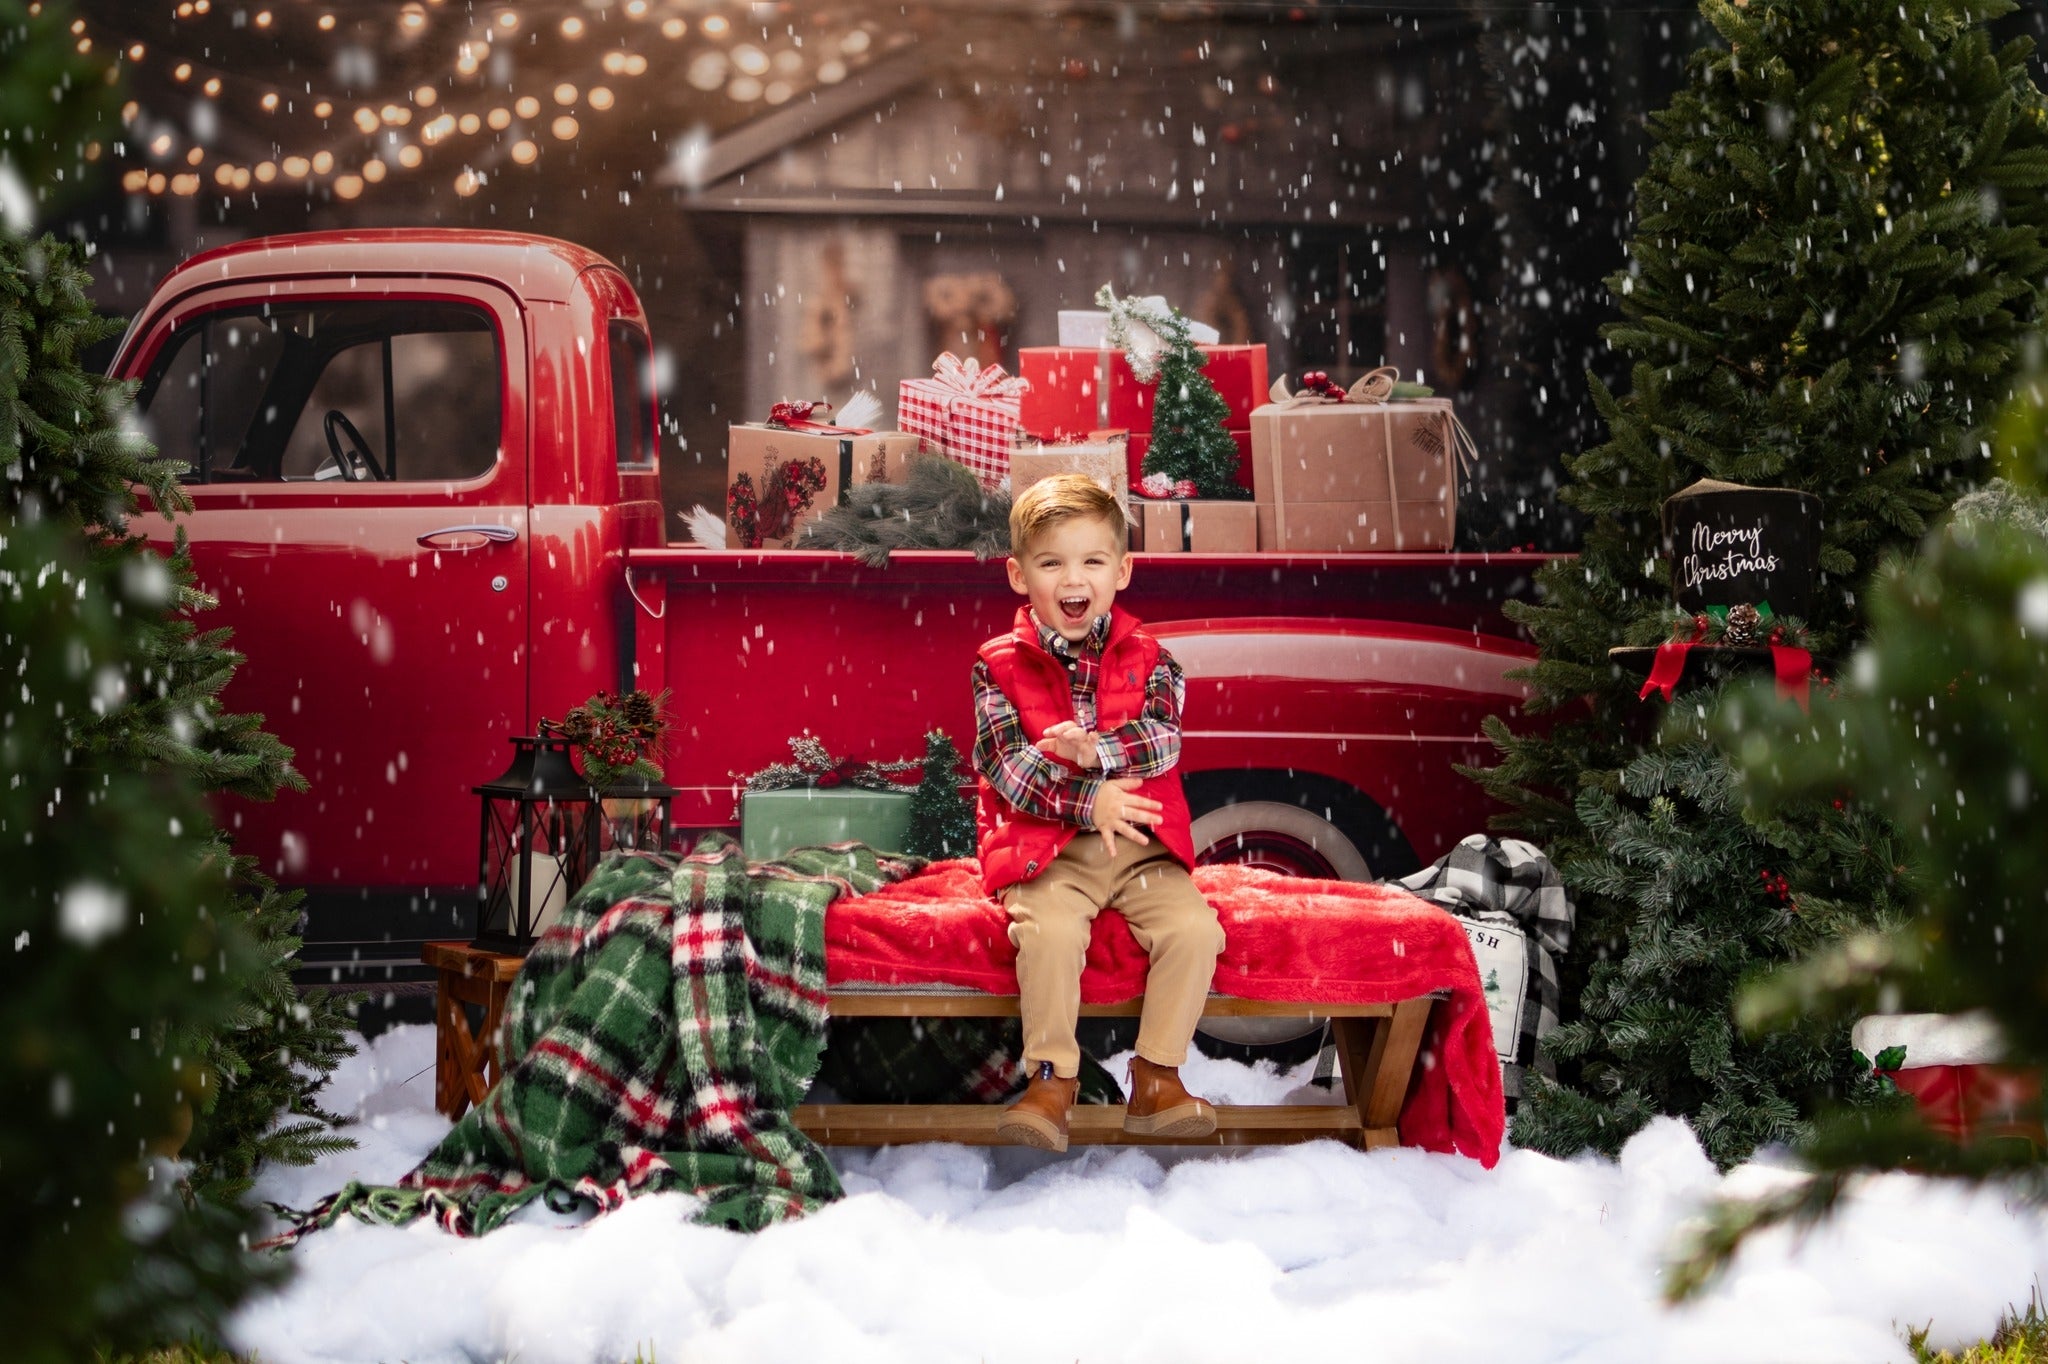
x,y
424,464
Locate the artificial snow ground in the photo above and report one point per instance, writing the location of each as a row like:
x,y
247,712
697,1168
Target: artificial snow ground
x,y
942,1253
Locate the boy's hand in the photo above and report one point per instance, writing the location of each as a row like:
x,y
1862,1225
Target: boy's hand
x,y
1069,742
1119,809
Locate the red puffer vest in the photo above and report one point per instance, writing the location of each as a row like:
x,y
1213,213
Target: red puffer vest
x,y
1016,846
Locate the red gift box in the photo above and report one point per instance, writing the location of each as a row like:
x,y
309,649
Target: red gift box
x,y
1075,389
965,412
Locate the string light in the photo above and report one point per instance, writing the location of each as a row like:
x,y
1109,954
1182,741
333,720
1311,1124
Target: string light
x,y
739,72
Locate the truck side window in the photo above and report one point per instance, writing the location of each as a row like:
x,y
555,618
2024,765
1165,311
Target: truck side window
x,y
632,395
267,394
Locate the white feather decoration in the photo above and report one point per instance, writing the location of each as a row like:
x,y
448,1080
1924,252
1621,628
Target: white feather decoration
x,y
705,526
863,409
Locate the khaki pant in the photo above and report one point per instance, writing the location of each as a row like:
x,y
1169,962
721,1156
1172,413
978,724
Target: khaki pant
x,y
1049,924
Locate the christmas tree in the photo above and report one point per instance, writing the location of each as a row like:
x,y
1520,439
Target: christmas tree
x,y
1939,726
128,959
1190,444
1837,253
941,818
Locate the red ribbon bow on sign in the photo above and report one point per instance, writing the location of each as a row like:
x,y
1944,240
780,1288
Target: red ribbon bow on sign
x,y
797,417
972,379
1792,666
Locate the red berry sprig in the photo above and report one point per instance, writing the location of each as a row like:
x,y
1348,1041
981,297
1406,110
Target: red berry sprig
x,y
1776,886
1319,382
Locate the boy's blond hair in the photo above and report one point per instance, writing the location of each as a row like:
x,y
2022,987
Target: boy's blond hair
x,y
1063,497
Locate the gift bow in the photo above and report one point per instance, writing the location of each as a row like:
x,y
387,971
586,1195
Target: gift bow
x,y
972,379
1374,386
796,416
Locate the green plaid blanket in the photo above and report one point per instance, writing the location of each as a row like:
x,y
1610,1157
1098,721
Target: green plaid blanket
x,y
655,1040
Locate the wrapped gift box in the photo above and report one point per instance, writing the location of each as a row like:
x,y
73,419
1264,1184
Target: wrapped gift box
x,y
793,476
1356,475
1090,326
1100,454
967,413
1951,1066
773,822
1074,388
1194,525
1139,444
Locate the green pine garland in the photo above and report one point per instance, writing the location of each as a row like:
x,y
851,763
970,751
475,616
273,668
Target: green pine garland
x,y
1837,260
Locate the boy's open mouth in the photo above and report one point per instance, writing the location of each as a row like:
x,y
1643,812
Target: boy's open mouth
x,y
1074,609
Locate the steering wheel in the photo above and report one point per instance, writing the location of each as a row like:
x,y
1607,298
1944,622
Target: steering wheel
x,y
336,425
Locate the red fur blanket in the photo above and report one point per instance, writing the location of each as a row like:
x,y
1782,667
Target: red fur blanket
x,y
1337,942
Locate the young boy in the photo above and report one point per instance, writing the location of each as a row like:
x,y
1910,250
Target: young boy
x,y
1076,739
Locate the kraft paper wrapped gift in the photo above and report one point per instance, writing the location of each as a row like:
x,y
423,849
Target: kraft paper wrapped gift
x,y
1357,475
1075,388
774,822
1194,526
778,479
1099,454
967,412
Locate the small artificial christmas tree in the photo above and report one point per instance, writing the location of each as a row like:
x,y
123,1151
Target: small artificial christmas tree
x,y
941,818
1190,445
1838,251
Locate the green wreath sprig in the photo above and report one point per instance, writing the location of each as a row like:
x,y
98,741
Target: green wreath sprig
x,y
814,765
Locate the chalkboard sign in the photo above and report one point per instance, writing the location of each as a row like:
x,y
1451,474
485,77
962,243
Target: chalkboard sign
x,y
1731,544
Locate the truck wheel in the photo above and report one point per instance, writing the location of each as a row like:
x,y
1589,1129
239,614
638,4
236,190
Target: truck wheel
x,y
1298,825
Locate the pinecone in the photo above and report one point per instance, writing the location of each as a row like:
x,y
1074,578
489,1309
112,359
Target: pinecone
x,y
1744,625
639,710
577,726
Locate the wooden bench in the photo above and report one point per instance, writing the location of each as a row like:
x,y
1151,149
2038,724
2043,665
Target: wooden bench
x,y
1376,1049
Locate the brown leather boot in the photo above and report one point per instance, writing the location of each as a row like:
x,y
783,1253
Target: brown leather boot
x,y
1161,1106
1039,1117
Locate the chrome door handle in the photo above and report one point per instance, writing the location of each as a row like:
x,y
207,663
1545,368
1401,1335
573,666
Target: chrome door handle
x,y
503,535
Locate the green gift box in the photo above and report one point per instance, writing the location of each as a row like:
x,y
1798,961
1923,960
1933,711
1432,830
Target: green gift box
x,y
773,822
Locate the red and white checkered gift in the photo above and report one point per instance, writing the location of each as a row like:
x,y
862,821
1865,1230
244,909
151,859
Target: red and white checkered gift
x,y
966,412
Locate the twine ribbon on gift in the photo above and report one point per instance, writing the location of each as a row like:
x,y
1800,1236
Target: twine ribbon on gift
x,y
798,416
1375,388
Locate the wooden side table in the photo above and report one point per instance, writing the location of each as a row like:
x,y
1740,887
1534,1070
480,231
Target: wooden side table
x,y
466,1060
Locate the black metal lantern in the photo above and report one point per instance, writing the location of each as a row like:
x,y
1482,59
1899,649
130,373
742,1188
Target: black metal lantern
x,y
544,827
538,842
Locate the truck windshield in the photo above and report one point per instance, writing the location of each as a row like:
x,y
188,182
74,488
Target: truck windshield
x,y
349,390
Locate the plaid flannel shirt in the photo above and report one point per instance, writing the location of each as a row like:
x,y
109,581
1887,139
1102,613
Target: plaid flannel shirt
x,y
1038,783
